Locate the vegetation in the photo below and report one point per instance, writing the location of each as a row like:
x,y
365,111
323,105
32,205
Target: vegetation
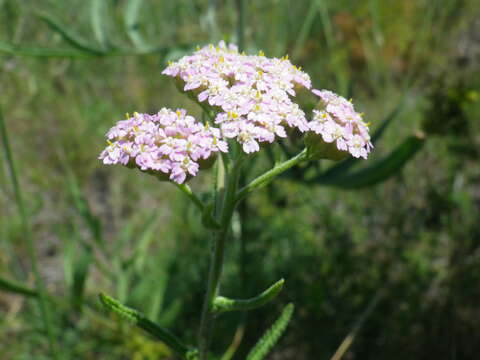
x,y
380,258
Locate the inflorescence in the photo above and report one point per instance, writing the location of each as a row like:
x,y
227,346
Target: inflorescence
x,y
338,122
171,142
251,93
251,96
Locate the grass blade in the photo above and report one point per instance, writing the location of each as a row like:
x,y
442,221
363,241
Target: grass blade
x,y
305,30
98,18
40,286
41,52
80,274
68,36
132,25
347,342
13,287
91,220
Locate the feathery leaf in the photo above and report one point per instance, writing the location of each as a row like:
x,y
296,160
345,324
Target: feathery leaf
x,y
270,338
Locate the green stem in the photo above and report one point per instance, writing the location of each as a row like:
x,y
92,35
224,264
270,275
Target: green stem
x,y
222,304
187,191
270,175
40,286
216,264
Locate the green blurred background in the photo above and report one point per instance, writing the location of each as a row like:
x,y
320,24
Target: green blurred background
x,y
391,263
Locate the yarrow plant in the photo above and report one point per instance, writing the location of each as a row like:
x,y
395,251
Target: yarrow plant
x,y
249,103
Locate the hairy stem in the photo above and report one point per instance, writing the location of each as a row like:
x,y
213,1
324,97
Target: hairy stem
x,y
187,191
270,175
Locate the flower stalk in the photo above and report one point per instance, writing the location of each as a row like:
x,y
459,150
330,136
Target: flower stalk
x,y
218,254
270,175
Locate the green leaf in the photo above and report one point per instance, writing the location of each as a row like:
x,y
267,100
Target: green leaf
x,y
382,169
14,287
142,322
92,221
98,18
68,36
143,242
80,274
41,52
271,337
223,304
132,26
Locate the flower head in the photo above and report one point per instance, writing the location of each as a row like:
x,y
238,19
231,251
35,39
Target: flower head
x,y
337,122
169,142
251,93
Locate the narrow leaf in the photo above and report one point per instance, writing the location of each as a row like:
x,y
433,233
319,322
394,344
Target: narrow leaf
x,y
222,304
143,242
142,322
68,36
80,273
98,20
41,52
382,169
14,287
132,26
92,221
271,337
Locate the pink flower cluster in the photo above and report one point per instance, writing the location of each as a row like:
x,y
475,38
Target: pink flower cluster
x,y
339,122
251,93
170,141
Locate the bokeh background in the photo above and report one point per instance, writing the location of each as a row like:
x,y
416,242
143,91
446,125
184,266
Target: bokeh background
x,y
386,264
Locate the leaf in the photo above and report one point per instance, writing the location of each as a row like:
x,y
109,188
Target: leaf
x,y
223,304
41,52
98,17
144,239
132,9
80,273
142,322
14,287
382,169
68,36
93,222
271,337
